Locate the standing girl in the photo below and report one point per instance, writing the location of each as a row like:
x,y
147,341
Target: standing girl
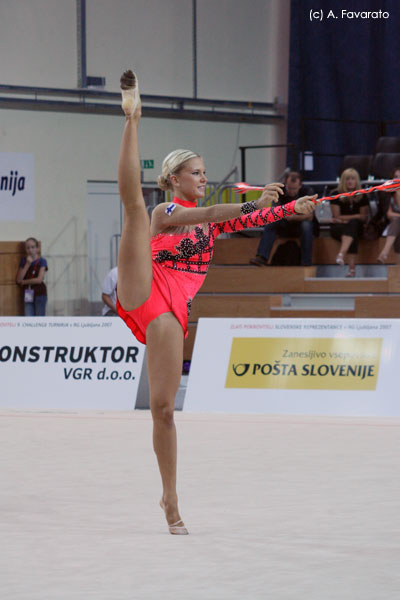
x,y
30,277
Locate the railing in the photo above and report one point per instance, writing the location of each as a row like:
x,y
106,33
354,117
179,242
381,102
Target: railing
x,y
114,248
381,128
243,150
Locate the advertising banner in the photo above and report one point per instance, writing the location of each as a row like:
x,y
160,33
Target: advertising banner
x,y
17,187
312,366
68,363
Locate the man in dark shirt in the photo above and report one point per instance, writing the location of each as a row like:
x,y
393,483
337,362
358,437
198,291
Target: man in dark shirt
x,y
293,226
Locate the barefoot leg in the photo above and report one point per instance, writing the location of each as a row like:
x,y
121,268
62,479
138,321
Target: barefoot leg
x,y
134,260
165,355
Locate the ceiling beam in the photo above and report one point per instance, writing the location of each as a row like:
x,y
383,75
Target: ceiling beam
x,y
95,101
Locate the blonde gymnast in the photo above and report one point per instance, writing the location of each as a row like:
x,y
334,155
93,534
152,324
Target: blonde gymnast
x,y
163,263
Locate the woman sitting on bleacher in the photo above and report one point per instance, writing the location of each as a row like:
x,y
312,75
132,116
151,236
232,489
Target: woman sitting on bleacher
x,y
393,232
348,216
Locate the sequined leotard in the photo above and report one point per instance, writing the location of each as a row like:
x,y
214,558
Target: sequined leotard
x,y
180,265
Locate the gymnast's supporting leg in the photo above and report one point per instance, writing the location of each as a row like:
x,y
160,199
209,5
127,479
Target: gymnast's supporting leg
x,y
165,356
134,258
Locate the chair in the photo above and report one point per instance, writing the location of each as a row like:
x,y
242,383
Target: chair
x,y
384,164
360,162
387,144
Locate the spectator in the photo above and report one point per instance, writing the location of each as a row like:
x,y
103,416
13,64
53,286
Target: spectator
x,y
393,231
30,276
349,213
109,294
301,226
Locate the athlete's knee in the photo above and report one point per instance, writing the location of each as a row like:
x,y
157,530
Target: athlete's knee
x,y
163,412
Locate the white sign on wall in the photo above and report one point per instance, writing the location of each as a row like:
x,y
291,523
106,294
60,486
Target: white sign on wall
x,y
68,363
296,366
17,187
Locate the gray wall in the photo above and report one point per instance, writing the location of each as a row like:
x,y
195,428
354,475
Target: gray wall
x,y
242,54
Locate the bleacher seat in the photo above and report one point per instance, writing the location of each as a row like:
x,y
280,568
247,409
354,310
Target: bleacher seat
x,y
388,144
384,164
360,162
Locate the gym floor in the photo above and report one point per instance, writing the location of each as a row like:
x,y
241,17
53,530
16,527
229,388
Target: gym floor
x,y
280,507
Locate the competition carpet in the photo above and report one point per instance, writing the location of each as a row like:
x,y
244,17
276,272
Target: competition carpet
x,y
277,507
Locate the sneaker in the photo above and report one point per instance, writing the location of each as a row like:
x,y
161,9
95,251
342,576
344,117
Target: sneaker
x,y
259,261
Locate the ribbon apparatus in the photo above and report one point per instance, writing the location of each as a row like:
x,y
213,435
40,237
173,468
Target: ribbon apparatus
x,y
388,186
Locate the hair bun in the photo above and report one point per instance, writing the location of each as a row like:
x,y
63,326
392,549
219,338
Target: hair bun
x,y
163,183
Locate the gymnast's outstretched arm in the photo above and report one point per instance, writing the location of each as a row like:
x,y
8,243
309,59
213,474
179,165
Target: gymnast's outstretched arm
x,y
163,218
223,213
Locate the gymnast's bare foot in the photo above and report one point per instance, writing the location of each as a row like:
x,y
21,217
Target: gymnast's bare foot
x,y
175,524
131,104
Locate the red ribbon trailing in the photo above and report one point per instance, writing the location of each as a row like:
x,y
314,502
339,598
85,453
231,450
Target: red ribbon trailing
x,y
388,186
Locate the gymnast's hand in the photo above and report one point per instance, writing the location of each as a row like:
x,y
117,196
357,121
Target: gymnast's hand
x,y
270,195
306,205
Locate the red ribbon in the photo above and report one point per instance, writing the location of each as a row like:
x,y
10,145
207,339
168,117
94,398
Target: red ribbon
x,y
388,186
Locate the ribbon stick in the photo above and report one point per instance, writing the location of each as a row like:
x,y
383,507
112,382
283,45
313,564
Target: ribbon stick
x,y
242,188
388,186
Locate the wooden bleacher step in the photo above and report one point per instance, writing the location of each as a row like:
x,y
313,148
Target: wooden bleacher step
x,y
238,250
332,285
245,279
288,312
229,306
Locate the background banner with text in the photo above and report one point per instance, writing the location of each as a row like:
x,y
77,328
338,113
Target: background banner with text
x,y
17,187
69,363
313,366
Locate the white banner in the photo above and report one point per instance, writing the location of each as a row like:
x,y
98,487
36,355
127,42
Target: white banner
x,y
17,187
295,366
68,363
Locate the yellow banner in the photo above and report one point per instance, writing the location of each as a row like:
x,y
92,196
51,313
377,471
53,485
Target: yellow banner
x,y
304,363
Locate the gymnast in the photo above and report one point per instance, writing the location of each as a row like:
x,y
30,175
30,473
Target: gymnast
x,y
163,263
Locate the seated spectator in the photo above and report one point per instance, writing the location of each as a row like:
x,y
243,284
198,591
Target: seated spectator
x,y
393,231
109,294
294,226
30,276
348,217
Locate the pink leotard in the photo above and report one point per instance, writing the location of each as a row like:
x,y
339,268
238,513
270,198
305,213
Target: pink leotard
x,y
180,264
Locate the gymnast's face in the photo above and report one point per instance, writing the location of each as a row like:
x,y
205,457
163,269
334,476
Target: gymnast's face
x,y
190,182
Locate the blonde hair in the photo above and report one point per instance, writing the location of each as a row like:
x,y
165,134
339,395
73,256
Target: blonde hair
x,y
172,164
342,184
